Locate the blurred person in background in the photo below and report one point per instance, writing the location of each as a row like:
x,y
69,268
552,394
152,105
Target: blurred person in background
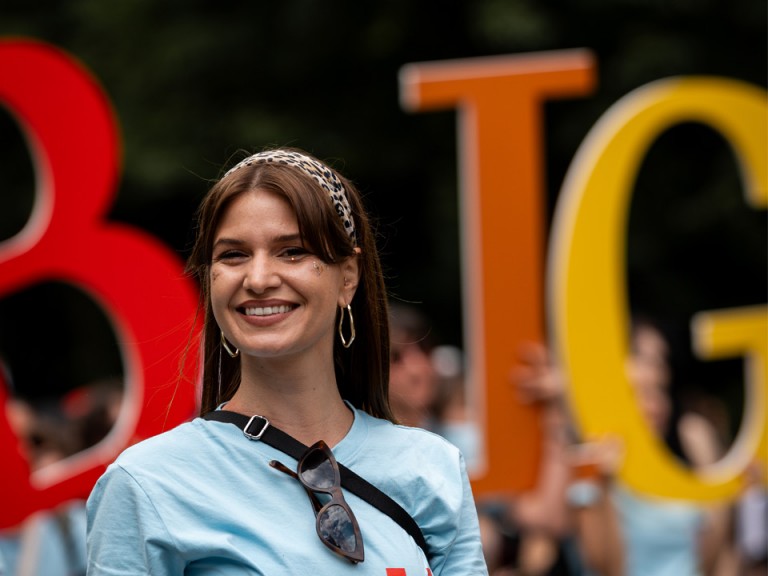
x,y
426,381
52,542
751,524
513,549
453,418
413,384
530,533
500,540
623,533
94,409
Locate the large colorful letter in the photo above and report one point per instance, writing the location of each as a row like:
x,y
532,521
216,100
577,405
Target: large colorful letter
x,y
588,284
138,282
502,190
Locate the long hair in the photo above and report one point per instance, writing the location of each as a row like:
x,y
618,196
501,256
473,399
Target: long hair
x,y
362,371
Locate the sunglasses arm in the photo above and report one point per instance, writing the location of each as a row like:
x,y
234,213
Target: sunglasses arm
x,y
316,504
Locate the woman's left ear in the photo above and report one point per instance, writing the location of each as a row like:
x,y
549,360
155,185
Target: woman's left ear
x,y
351,274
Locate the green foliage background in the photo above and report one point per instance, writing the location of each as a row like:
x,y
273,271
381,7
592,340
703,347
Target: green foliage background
x,y
193,82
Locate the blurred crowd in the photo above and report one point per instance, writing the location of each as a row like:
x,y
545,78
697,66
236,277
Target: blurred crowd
x,y
52,542
578,520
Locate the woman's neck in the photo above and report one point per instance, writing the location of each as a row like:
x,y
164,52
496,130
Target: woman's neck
x,y
302,402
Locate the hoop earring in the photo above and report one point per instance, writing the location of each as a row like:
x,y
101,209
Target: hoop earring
x,y
344,342
227,348
218,398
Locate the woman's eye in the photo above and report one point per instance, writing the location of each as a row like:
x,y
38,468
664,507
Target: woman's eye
x,y
294,253
228,255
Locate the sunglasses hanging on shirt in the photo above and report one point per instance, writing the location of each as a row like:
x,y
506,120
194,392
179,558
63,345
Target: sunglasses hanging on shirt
x,y
335,522
320,472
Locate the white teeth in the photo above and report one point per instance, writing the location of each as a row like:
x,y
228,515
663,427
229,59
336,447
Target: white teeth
x,y
267,310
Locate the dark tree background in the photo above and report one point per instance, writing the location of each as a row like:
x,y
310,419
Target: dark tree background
x,y
193,82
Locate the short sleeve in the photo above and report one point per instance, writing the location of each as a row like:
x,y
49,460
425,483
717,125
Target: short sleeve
x,y
125,534
463,555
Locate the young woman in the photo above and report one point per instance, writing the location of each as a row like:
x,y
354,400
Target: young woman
x,y
296,353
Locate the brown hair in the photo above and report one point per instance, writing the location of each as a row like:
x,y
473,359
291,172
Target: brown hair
x,y
362,371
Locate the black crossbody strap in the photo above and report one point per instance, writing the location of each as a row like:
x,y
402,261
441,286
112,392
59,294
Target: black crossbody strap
x,y
259,428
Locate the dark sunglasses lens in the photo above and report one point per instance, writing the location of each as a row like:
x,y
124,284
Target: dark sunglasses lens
x,y
317,471
335,527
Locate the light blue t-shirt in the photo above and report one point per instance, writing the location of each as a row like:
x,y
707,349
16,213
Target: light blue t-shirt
x,y
202,499
661,537
50,543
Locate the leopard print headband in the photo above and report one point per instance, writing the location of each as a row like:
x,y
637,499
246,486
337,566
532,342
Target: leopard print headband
x,y
322,174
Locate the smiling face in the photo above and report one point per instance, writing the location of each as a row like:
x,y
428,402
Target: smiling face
x,y
270,295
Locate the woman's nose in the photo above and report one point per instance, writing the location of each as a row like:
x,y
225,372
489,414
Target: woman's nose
x,y
261,274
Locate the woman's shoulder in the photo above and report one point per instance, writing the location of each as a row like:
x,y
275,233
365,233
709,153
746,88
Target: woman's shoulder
x,y
163,447
388,437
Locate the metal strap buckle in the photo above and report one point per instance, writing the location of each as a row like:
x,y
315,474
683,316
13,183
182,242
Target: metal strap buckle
x,y
256,421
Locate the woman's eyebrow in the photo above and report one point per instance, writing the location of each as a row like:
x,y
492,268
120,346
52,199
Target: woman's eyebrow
x,y
282,238
227,242
291,239
295,237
